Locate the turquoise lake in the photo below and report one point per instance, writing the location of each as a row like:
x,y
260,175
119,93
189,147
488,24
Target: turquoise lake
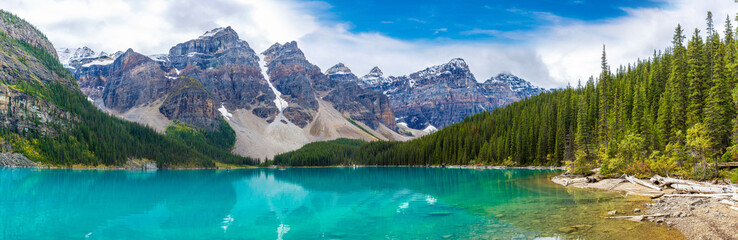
x,y
307,203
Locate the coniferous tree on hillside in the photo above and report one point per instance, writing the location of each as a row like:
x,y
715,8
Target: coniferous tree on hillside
x,y
674,113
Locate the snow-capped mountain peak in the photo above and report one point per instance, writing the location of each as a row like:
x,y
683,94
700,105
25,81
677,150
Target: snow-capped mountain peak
x,y
338,69
69,55
375,77
213,32
520,86
456,66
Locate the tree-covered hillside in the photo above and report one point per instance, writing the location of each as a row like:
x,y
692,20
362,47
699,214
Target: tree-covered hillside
x,y
674,113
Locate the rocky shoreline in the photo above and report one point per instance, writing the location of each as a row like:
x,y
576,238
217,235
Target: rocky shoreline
x,y
15,160
695,215
18,160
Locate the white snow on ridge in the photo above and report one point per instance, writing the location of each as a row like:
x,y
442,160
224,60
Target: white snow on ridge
x,y
278,101
103,62
430,129
212,32
223,111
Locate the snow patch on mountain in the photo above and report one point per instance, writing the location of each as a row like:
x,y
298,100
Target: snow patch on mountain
x,y
85,54
375,77
223,111
520,86
212,33
443,69
278,101
430,129
98,62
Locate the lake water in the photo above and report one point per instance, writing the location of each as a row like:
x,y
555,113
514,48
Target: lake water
x,y
309,203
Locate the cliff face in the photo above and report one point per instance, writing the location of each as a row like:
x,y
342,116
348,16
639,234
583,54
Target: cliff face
x,y
24,76
295,78
24,113
227,67
135,80
22,31
191,103
365,105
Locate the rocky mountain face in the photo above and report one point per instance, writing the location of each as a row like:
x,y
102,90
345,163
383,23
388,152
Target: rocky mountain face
x,y
191,103
297,79
519,86
441,95
276,102
134,80
368,106
20,73
217,76
22,31
227,68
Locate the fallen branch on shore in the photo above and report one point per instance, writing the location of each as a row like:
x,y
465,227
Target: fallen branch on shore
x,y
642,183
667,181
637,218
716,195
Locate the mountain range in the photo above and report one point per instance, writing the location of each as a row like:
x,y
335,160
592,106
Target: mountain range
x,y
278,101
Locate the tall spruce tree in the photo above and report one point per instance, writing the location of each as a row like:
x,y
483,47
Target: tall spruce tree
x,y
697,78
719,101
603,95
678,82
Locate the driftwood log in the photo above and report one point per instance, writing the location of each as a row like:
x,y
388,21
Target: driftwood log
x,y
706,188
716,195
642,183
666,181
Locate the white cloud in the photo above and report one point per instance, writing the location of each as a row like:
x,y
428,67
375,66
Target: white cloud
x,y
564,51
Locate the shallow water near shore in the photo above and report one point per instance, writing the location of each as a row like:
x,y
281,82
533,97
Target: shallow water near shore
x,y
310,203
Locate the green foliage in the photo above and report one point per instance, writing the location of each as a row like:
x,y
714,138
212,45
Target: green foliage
x,y
632,119
733,176
212,144
329,153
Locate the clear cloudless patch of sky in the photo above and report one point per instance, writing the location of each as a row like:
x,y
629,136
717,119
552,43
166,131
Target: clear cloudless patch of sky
x,y
469,19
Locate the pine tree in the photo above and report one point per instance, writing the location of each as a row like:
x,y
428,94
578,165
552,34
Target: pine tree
x,y
603,95
718,104
697,79
678,82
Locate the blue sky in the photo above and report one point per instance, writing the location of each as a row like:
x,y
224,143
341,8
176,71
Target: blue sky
x,y
468,20
548,42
